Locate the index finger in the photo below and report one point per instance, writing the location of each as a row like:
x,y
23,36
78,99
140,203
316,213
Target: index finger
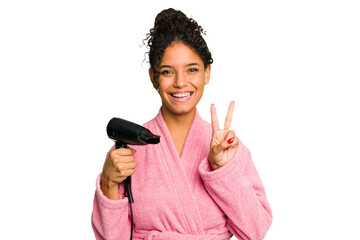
x,y
124,151
214,118
229,115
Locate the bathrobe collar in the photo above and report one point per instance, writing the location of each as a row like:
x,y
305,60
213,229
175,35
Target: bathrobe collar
x,y
184,170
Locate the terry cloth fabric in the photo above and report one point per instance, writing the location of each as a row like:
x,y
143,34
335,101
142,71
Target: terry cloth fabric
x,y
182,197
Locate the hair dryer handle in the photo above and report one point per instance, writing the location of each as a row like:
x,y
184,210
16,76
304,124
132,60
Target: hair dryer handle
x,y
127,181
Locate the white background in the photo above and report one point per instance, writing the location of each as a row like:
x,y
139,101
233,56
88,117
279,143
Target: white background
x,y
67,67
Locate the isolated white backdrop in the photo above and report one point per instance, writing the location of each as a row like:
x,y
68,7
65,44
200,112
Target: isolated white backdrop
x,y
67,67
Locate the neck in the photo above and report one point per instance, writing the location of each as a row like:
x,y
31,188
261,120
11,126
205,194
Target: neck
x,y
178,121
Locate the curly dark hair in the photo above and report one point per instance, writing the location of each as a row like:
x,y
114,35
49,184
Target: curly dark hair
x,y
173,25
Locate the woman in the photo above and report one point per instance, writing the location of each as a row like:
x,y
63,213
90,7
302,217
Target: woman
x,y
199,182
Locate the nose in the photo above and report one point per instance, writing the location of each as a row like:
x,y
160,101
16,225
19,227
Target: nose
x,y
180,80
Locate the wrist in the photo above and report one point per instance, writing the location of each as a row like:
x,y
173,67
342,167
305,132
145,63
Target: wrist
x,y
109,188
105,182
214,166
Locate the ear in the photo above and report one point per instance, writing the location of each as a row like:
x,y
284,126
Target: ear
x,y
207,74
151,75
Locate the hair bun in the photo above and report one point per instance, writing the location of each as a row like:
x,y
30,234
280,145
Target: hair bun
x,y
171,20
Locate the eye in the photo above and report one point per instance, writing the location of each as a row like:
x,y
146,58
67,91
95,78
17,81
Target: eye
x,y
166,72
193,70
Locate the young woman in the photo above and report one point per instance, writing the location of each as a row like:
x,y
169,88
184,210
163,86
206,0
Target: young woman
x,y
199,182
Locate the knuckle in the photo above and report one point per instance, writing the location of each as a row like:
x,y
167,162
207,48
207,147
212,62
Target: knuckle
x,y
120,167
112,155
116,161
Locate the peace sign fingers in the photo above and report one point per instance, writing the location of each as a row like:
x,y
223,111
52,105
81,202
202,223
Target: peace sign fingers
x,y
228,119
229,115
214,119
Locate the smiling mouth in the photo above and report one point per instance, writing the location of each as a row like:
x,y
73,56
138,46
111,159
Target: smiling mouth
x,y
181,95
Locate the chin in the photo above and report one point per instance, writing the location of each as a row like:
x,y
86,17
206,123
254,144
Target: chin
x,y
181,110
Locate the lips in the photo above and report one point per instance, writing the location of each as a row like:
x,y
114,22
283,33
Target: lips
x,y
181,96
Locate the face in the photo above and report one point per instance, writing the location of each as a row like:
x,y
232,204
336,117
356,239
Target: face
x,y
182,79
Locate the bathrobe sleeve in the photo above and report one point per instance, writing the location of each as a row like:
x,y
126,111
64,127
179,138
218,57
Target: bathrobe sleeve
x,y
110,218
238,191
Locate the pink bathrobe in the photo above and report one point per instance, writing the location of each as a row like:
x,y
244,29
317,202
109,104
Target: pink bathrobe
x,y
182,197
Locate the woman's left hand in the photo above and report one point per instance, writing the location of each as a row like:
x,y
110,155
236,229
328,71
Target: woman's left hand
x,y
224,142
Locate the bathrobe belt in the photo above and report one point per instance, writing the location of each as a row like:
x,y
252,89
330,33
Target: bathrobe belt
x,y
156,235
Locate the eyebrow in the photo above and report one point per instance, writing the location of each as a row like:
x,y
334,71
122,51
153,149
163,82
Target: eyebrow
x,y
188,65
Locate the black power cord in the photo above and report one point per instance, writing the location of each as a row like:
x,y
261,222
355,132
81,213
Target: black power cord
x,y
128,194
131,217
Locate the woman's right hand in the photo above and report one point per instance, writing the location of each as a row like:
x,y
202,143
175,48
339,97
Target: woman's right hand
x,y
118,166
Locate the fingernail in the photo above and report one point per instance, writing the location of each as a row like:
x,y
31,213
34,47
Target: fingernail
x,y
230,140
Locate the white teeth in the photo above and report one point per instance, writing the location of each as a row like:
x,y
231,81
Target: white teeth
x,y
181,95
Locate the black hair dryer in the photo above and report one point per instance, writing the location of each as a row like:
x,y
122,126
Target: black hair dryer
x,y
124,132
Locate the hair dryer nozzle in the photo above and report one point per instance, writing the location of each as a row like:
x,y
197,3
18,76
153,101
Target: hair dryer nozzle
x,y
147,137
